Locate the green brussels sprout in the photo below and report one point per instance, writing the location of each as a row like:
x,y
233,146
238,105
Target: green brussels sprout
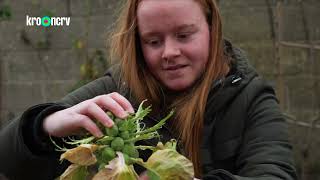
x,y
125,135
113,131
117,144
130,150
107,154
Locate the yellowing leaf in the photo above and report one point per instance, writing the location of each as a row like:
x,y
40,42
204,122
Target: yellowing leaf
x,y
169,164
74,172
81,155
117,170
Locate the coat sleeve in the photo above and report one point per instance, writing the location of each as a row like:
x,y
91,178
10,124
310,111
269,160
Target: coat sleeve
x,y
19,157
21,152
265,151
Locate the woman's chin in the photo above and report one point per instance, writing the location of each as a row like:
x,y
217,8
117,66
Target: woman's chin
x,y
178,86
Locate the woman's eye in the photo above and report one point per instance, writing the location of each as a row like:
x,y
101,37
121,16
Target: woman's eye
x,y
183,36
154,42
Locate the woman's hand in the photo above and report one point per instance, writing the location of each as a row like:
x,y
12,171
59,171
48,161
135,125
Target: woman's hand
x,y
72,120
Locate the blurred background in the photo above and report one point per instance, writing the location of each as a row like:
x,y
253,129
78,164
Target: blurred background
x,y
281,38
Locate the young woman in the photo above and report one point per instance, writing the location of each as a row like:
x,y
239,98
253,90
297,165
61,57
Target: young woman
x,y
172,53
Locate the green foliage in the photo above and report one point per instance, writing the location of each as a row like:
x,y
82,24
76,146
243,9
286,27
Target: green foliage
x,y
42,44
95,63
5,12
94,66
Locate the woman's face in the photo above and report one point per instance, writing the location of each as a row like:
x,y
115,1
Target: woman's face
x,y
174,36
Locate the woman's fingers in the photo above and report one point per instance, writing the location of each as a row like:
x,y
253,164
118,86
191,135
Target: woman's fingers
x,y
95,111
82,115
64,123
107,102
86,123
113,102
122,101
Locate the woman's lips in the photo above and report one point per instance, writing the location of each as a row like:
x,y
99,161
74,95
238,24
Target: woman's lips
x,y
175,67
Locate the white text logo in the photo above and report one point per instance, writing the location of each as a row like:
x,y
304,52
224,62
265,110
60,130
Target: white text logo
x,y
47,21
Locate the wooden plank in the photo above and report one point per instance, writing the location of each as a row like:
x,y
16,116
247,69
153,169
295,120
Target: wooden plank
x,y
292,120
299,45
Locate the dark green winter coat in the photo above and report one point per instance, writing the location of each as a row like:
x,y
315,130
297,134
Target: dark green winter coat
x,y
244,137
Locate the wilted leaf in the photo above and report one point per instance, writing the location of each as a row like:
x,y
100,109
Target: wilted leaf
x,y
117,170
74,172
81,155
172,144
169,164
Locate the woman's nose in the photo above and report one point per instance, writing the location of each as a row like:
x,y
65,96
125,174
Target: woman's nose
x,y
171,50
